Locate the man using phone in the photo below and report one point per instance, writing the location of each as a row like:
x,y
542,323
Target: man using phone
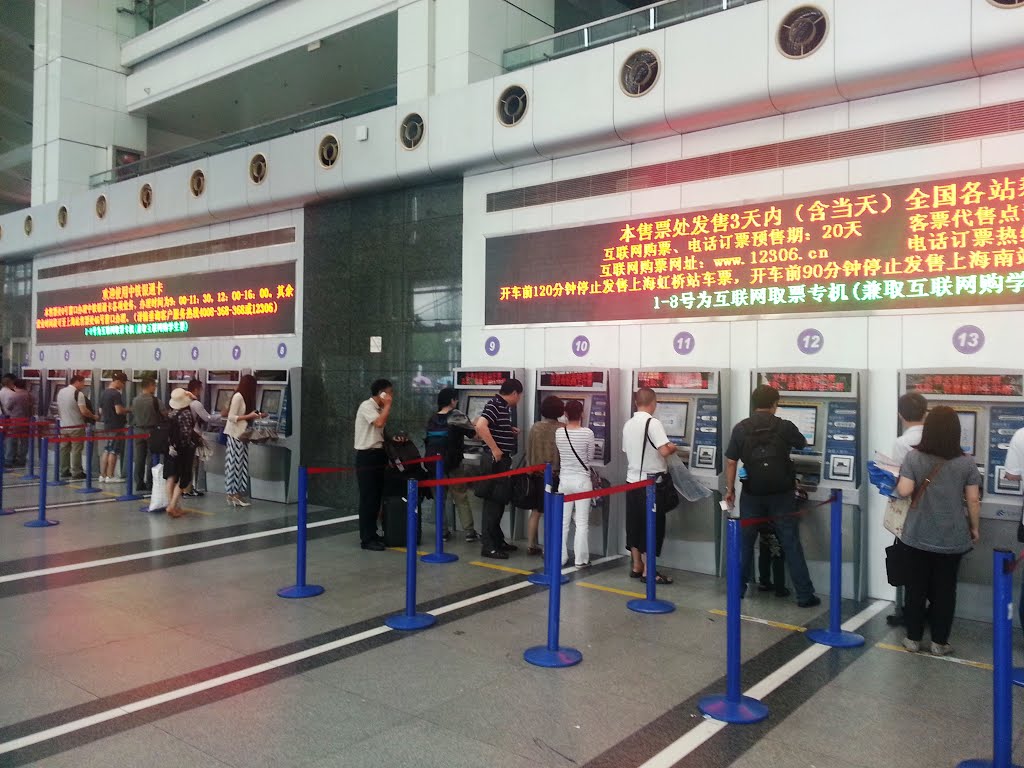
x,y
371,460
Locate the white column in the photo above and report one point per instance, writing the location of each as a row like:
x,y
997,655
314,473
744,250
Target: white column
x,y
79,94
416,50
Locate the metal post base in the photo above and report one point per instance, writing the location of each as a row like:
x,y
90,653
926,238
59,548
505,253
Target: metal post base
x,y
439,557
543,580
643,605
838,639
93,489
37,523
982,764
301,590
128,497
55,483
30,477
744,711
1018,676
540,656
409,623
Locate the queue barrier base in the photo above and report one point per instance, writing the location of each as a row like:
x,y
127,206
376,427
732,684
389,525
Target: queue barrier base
x,y
8,511
129,497
90,489
30,476
1018,676
41,523
408,623
542,656
55,483
542,579
743,711
838,639
984,764
301,590
439,557
643,605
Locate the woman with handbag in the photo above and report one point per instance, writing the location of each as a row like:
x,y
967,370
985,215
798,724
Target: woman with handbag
x,y
240,416
203,419
941,526
540,449
575,453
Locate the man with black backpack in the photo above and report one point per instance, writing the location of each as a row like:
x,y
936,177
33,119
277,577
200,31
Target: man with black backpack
x,y
446,435
763,443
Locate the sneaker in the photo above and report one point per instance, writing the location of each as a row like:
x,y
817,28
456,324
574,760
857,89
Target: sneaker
x,y
495,554
472,536
115,479
941,649
102,479
446,536
507,547
809,602
913,646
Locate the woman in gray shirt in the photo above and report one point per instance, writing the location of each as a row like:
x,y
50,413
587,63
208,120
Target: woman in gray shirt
x,y
939,529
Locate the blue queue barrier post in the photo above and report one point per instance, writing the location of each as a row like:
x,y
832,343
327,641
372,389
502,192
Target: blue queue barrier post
x,y
651,604
439,555
411,620
89,488
129,468
33,438
1003,565
733,706
550,565
41,521
553,655
301,588
3,439
56,456
835,636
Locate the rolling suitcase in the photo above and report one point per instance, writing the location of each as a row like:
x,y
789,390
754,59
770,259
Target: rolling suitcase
x,y
395,513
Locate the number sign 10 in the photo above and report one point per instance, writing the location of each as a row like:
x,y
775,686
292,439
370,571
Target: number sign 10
x,y
581,346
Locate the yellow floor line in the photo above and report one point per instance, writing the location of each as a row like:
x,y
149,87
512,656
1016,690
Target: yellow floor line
x,y
613,590
402,549
953,659
766,622
506,568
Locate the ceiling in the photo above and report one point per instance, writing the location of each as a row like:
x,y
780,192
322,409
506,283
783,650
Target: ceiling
x,y
16,63
358,60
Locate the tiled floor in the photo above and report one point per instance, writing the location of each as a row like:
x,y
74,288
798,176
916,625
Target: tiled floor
x,y
94,660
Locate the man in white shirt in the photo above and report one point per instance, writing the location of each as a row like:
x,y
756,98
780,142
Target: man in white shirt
x,y
1014,469
912,408
6,393
644,457
371,460
72,411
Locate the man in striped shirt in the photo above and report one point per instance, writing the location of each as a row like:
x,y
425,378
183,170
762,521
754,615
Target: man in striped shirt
x,y
495,427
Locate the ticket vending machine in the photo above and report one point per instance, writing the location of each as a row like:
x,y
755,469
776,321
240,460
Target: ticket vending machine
x,y
220,386
990,405
173,379
828,407
88,389
34,383
691,407
134,386
475,387
56,380
593,389
274,465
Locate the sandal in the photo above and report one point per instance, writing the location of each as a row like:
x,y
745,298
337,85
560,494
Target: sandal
x,y
660,578
635,574
534,551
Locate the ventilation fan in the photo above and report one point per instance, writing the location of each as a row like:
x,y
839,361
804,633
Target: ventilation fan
x,y
329,151
258,168
146,196
411,132
101,206
512,105
62,216
802,32
28,225
1007,3
197,183
639,73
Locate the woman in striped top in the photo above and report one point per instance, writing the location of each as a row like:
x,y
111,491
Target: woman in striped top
x,y
575,453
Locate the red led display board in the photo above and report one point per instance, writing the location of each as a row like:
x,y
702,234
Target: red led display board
x,y
953,242
982,385
574,379
481,378
228,303
808,382
673,379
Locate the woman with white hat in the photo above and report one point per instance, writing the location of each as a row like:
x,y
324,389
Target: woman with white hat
x,y
182,452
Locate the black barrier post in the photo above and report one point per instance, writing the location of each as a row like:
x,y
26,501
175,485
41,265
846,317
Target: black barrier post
x,y
835,636
650,603
439,555
41,521
301,588
33,438
552,655
3,439
88,463
410,619
129,468
550,565
56,456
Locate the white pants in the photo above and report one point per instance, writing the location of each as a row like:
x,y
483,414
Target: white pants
x,y
569,484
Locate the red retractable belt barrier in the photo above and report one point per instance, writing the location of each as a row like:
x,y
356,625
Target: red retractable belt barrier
x,y
478,478
608,491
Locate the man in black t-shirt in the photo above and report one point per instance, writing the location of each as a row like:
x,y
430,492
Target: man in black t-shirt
x,y
497,430
763,443
114,415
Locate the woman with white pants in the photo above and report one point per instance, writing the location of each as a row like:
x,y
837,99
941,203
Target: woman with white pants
x,y
575,453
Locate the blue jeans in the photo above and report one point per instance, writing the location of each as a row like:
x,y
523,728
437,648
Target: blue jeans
x,y
780,507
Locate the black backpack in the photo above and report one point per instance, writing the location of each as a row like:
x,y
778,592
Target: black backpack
x,y
442,440
765,455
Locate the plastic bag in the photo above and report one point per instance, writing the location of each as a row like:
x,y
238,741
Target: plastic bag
x,y
158,501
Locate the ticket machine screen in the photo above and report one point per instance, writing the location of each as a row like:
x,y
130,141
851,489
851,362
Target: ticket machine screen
x,y
223,400
968,431
673,417
475,406
804,416
270,403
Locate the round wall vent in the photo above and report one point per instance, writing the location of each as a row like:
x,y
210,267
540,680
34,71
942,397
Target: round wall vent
x,y
28,225
639,73
329,151
802,31
411,132
258,168
62,216
197,183
512,105
1007,3
101,206
146,196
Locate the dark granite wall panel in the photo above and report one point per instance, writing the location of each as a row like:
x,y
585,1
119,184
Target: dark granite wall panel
x,y
387,264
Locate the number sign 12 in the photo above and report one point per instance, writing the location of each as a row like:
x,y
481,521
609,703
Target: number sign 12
x,y
810,341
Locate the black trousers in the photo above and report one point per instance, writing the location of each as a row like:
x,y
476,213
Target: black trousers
x,y
371,466
491,536
143,465
636,523
930,591
771,565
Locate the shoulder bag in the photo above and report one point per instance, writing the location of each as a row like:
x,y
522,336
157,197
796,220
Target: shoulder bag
x,y
896,509
596,481
666,498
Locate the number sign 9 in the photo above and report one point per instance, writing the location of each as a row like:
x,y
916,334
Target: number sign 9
x,y
492,346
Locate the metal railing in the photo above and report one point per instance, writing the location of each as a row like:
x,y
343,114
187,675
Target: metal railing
x,y
613,29
359,105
